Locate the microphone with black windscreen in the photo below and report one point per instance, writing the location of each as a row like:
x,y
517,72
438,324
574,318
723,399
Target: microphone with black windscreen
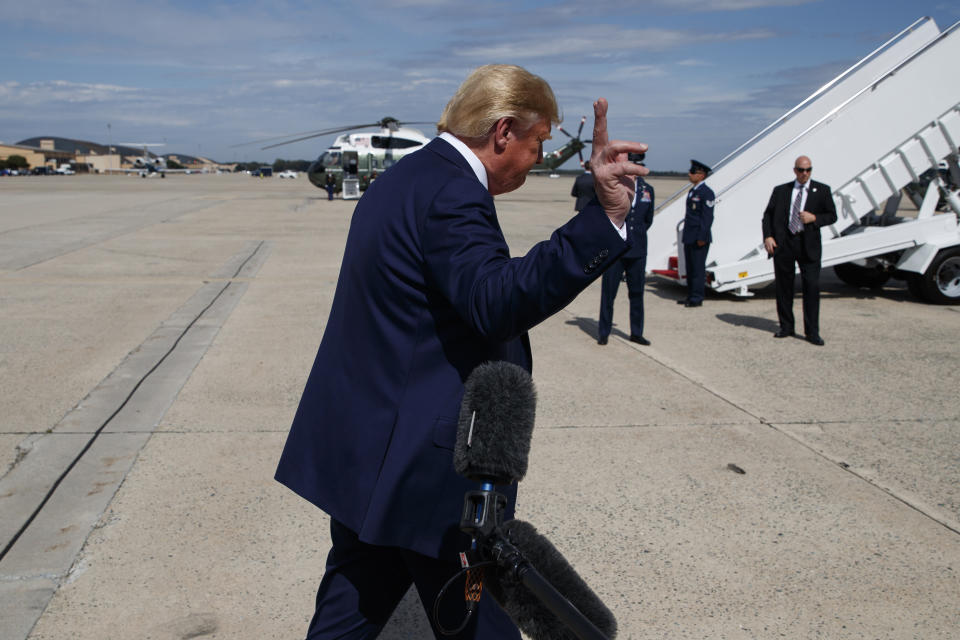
x,y
522,553
532,581
496,424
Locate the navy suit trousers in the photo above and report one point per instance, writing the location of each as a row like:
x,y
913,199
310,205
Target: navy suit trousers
x,y
696,261
364,583
635,268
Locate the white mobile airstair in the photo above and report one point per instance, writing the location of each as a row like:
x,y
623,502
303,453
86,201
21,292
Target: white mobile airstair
x,y
890,121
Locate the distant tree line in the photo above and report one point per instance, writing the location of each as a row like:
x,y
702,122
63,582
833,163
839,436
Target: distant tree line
x,y
278,165
14,162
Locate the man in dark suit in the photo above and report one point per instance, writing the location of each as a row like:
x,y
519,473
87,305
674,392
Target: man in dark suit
x,y
583,189
633,264
791,234
696,233
427,291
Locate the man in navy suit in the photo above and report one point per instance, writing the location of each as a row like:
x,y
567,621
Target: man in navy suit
x,y
791,234
583,189
696,233
427,291
633,264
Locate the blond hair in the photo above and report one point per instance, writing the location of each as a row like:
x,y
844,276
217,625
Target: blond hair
x,y
497,91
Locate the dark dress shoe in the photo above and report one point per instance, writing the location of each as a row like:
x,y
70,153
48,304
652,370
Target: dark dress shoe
x,y
692,304
640,340
684,301
602,340
782,334
817,340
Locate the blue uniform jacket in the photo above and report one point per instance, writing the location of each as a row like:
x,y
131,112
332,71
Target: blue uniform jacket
x,y
427,291
639,220
699,216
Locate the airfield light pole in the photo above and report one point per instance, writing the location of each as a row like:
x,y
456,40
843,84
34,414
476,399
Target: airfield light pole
x,y
110,146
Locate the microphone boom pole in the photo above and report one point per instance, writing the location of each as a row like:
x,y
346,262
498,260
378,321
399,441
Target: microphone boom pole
x,y
511,560
492,448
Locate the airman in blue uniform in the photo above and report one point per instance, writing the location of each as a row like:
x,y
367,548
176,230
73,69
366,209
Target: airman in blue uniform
x,y
633,264
696,233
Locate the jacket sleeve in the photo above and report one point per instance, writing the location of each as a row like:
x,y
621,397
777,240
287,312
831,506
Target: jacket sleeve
x,y
768,214
706,217
648,218
468,261
828,215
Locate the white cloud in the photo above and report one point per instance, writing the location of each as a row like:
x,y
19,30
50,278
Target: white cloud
x,y
616,42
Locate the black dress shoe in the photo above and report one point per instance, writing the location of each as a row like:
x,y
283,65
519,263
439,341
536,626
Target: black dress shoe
x,y
782,334
602,340
692,304
640,340
817,340
684,301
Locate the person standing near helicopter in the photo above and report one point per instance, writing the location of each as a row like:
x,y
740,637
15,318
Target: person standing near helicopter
x,y
330,184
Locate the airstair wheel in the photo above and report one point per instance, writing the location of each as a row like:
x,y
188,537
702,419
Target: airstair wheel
x,y
941,282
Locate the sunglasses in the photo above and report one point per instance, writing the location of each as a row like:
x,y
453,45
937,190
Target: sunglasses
x,y
800,170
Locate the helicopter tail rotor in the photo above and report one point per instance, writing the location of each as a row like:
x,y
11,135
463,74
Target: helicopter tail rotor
x,y
583,119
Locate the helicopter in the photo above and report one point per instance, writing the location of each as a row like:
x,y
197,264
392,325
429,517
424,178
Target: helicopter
x,y
553,160
356,159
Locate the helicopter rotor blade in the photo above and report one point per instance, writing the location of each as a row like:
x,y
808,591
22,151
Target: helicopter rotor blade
x,y
392,124
307,134
580,130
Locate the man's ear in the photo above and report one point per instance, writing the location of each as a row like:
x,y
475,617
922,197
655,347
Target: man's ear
x,y
503,130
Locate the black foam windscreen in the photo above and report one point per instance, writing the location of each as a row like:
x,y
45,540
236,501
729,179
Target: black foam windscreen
x,y
496,424
528,612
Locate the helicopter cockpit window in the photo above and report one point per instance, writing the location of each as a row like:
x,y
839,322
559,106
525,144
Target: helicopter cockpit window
x,y
392,142
330,159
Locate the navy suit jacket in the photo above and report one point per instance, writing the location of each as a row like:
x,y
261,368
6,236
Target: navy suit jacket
x,y
427,291
639,220
776,217
583,190
699,216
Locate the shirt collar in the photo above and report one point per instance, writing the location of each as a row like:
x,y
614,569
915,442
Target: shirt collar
x,y
469,156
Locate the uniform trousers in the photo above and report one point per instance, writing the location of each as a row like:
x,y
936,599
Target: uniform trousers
x,y
792,250
364,583
695,258
635,268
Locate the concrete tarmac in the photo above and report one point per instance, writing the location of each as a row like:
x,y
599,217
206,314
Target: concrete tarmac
x,y
155,336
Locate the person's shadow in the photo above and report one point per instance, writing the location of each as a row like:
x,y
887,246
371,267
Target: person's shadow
x,y
591,327
753,322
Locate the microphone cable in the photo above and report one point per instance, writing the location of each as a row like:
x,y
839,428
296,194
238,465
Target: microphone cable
x,y
472,590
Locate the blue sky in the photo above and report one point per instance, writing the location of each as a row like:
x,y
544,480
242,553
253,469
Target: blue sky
x,y
690,78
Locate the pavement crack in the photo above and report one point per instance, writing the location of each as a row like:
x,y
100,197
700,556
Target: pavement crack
x,y
203,305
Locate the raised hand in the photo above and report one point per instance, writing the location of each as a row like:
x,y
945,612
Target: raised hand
x,y
613,174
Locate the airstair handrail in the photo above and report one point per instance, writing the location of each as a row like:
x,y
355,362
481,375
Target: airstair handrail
x,y
813,96
833,112
816,94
